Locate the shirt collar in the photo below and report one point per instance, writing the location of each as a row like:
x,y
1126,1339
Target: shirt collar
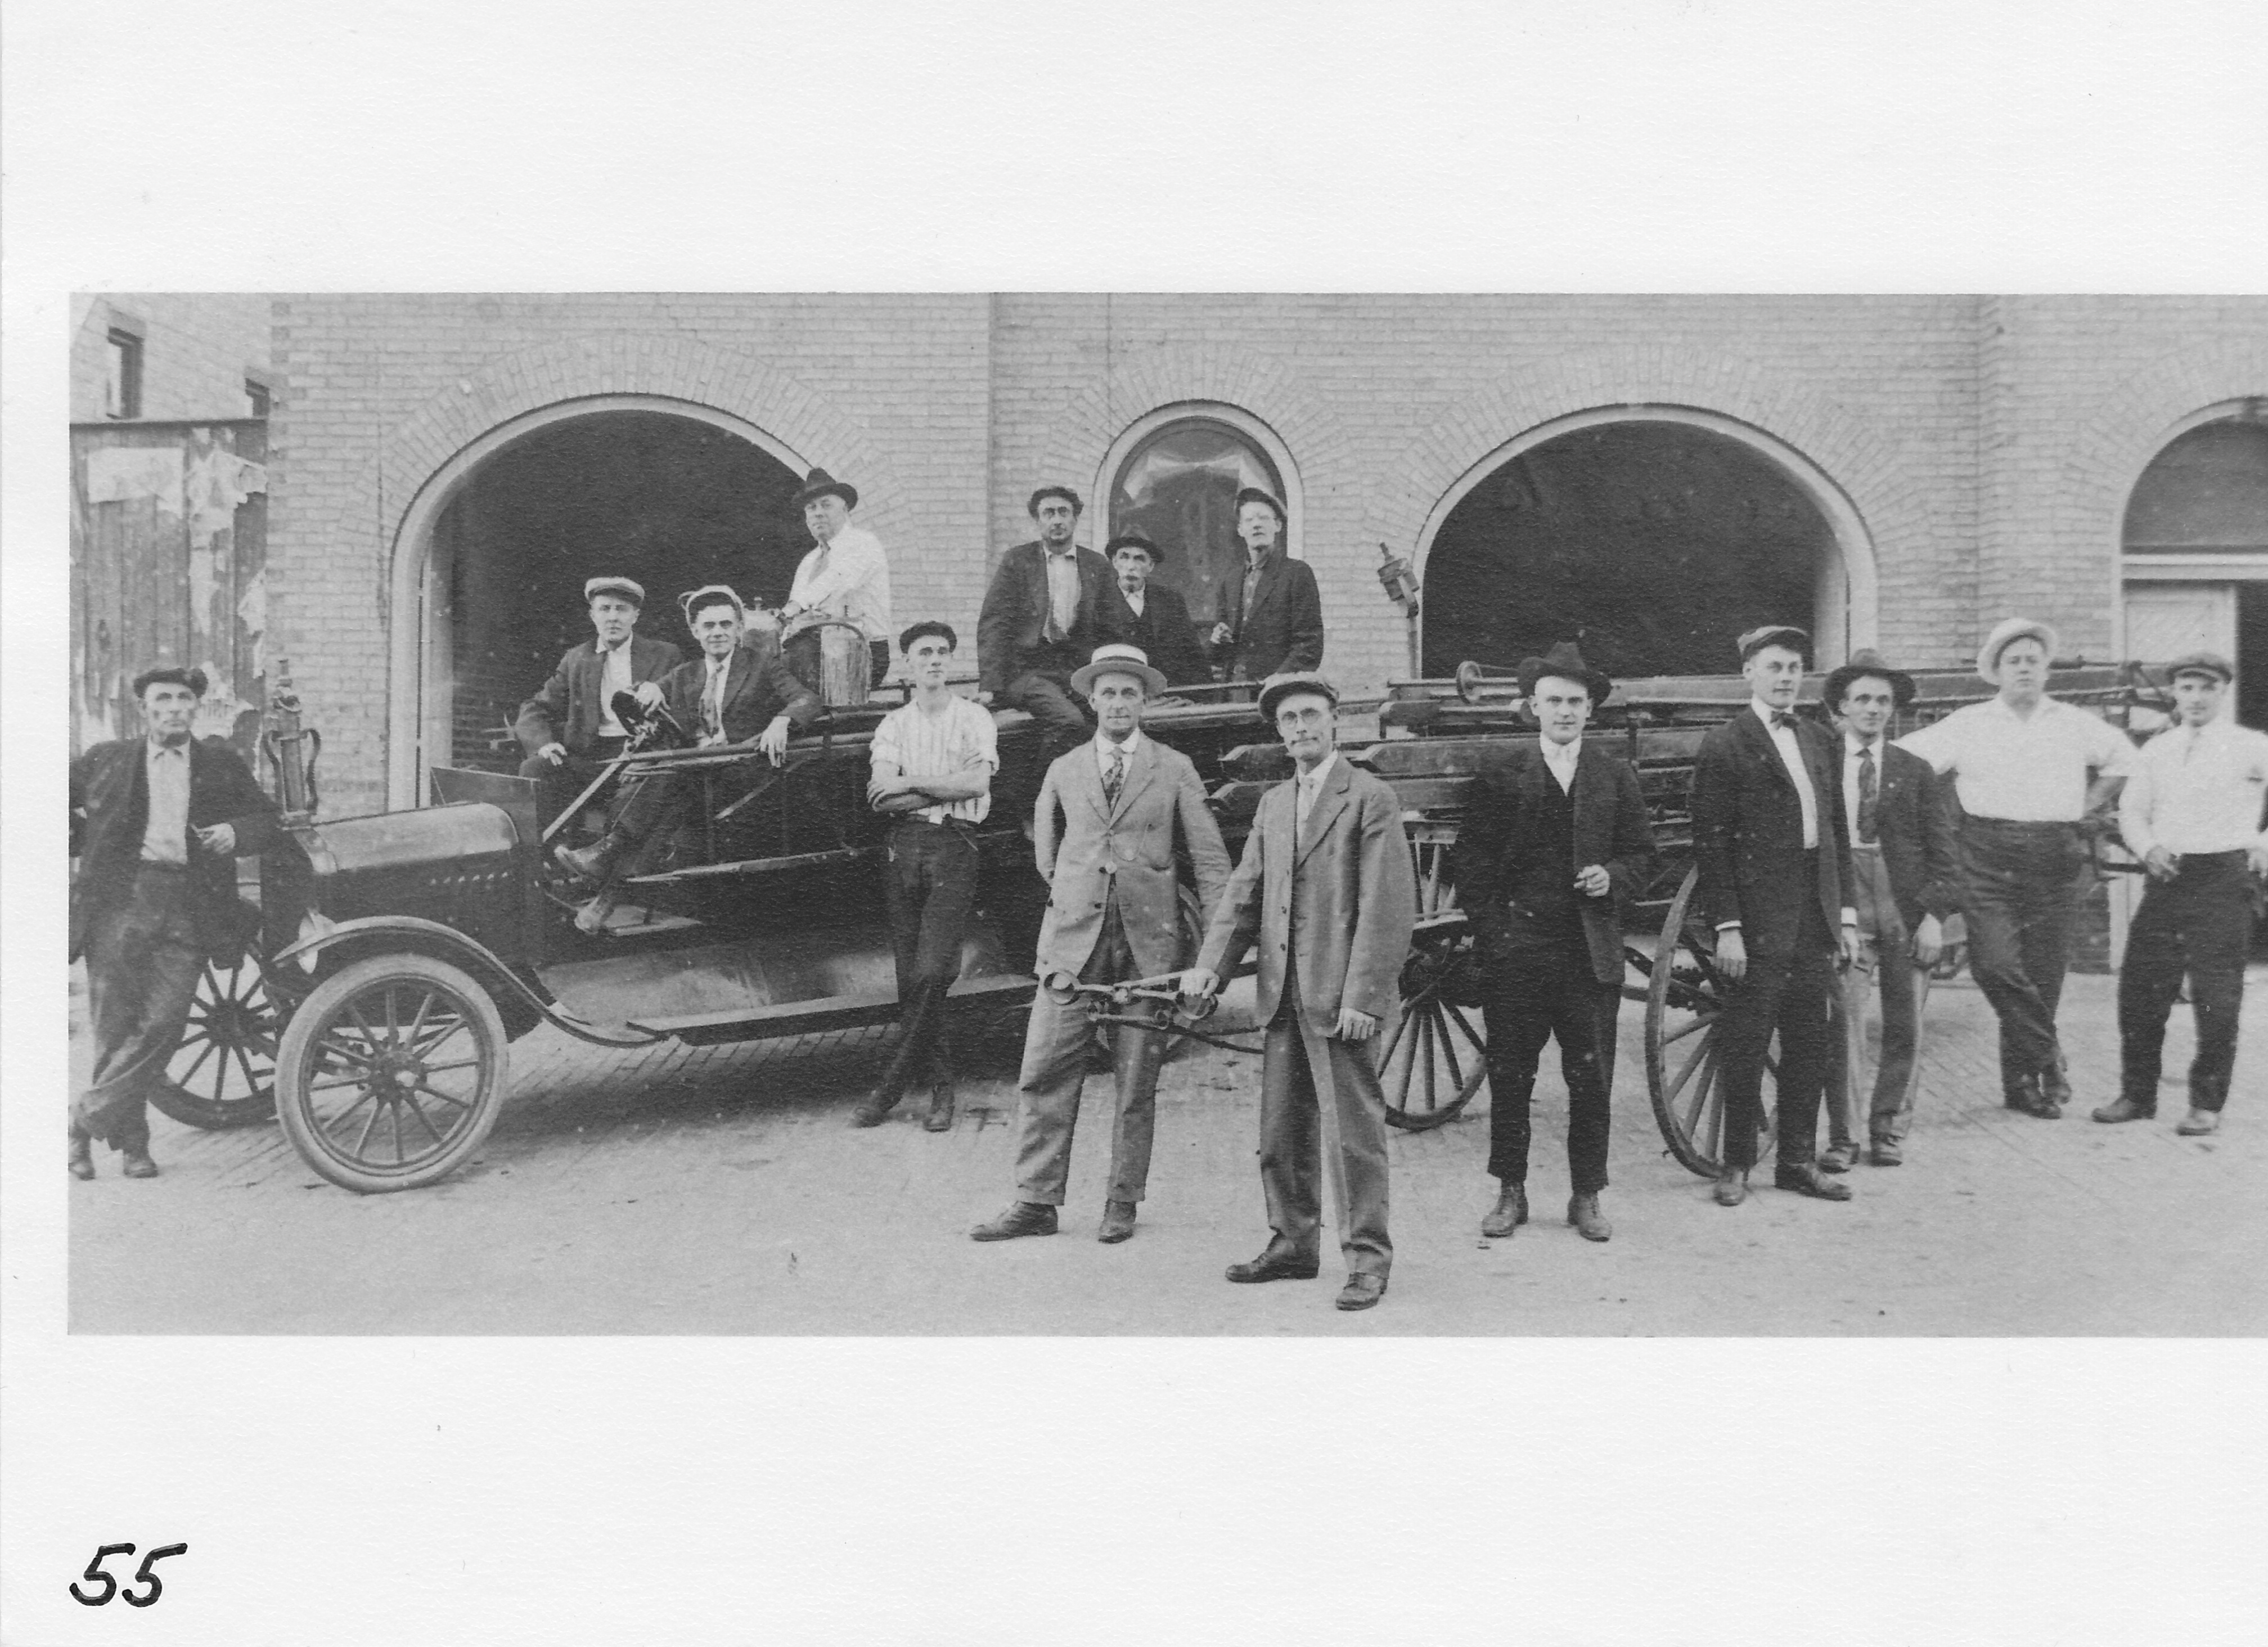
x,y
1564,754
1313,780
1063,554
1853,744
154,750
1259,563
621,646
1765,711
1103,746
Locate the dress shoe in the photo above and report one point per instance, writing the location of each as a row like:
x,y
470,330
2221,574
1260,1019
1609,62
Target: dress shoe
x,y
1274,1265
1117,1222
940,1118
2030,1099
591,863
138,1164
2055,1087
1838,1158
1807,1180
82,1155
2020,1092
1026,1218
1732,1187
2125,1109
1887,1152
2199,1123
1509,1213
873,1111
1590,1223
1361,1291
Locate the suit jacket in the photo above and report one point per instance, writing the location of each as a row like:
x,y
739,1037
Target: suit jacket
x,y
1285,629
1748,833
1353,891
1163,630
1129,846
110,809
757,687
1611,830
1914,825
568,710
1013,624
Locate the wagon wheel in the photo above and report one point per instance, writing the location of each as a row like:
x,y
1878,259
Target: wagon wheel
x,y
224,1074
1434,1059
391,1072
1684,995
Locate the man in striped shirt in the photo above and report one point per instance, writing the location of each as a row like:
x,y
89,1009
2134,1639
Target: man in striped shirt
x,y
933,760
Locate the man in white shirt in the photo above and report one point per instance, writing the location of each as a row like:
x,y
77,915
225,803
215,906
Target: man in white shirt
x,y
2020,764
846,577
569,727
2191,813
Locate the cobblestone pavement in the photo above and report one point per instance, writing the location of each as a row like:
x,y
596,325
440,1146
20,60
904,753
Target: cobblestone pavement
x,y
719,1190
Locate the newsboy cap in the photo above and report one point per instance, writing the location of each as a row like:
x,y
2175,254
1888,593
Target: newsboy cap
x,y
629,588
1276,689
2200,663
1254,495
170,675
1773,635
1134,540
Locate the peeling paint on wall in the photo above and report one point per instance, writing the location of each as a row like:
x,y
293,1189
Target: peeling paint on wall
x,y
252,612
118,475
217,483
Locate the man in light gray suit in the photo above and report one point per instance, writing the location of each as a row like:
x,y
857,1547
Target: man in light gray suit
x,y
1114,913
1326,890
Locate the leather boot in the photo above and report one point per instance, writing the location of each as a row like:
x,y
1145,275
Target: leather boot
x,y
1117,1222
138,1164
82,1154
593,915
1509,1213
2055,1090
594,863
1590,1223
940,1118
2125,1109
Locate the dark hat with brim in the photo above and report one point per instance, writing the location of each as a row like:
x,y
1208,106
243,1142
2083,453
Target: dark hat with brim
x,y
2200,663
1118,659
1566,662
1254,495
1276,689
1786,634
170,675
1866,661
1133,540
819,483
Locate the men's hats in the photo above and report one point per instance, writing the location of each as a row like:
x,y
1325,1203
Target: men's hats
x,y
709,595
1773,635
819,483
1133,540
629,589
2008,629
170,675
1564,661
2200,663
1276,689
1254,495
1867,661
1118,660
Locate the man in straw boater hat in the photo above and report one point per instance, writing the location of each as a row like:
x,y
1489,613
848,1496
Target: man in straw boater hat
x,y
2020,764
2192,813
1325,892
1775,882
1550,847
1157,619
1272,623
1050,605
157,823
568,729
1907,872
1124,801
845,577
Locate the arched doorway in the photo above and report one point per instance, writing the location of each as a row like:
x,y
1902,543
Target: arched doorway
x,y
1652,535
487,585
1174,475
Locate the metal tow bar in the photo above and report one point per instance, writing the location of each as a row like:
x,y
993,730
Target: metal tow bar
x,y
1110,1004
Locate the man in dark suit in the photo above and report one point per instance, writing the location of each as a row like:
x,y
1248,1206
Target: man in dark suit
x,y
1906,867
157,823
731,693
1050,605
569,727
1274,622
1156,618
1550,847
1768,834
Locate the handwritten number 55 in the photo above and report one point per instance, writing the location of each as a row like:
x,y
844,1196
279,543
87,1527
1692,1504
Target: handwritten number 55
x,y
141,1576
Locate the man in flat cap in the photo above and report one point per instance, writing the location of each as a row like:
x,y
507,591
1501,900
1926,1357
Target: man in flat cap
x,y
2020,764
1550,845
1049,605
1325,892
846,577
1156,618
569,727
157,823
1110,816
1907,872
1775,882
2192,813
1274,622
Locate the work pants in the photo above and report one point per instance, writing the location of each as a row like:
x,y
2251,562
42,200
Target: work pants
x,y
1055,1071
558,786
1886,968
1047,697
142,962
1787,992
1319,1092
1534,990
2024,882
2199,923
931,889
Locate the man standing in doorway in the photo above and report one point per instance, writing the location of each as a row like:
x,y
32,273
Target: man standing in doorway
x,y
2020,764
1325,891
1049,605
1114,913
846,577
932,764
2192,813
569,727
1157,619
1907,872
1274,624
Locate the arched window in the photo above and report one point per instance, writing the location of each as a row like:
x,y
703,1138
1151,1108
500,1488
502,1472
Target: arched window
x,y
1173,476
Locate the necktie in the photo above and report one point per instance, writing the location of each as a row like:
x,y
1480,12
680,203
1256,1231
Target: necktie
x,y
1115,777
712,700
1869,800
1781,717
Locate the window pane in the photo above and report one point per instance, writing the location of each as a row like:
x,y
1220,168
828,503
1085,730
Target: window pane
x,y
2207,492
121,377
1179,486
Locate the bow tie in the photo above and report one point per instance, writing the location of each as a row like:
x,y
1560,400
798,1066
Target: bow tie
x,y
1781,717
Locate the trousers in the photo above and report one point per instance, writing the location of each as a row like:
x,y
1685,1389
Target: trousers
x,y
1534,993
556,787
1046,696
142,962
1055,1072
931,890
2024,882
1319,1092
1788,994
2197,924
1886,968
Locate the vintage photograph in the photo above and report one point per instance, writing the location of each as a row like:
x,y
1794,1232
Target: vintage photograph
x,y
649,813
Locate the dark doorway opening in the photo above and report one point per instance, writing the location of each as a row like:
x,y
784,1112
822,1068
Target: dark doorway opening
x,y
1651,543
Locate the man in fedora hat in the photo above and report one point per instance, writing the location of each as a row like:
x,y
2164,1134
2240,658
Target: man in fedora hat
x,y
845,578
1048,606
157,823
1156,618
2020,764
1109,816
1907,872
1550,847
1325,891
2192,813
569,727
1775,881
1273,623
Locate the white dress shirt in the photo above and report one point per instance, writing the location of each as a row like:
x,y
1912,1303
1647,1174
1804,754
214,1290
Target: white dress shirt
x,y
1062,585
1791,755
2025,770
166,835
1853,747
1561,759
2197,788
942,745
1303,801
848,578
1103,748
712,694
613,676
1135,597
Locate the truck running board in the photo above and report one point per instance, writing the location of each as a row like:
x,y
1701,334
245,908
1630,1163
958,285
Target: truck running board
x,y
825,1013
